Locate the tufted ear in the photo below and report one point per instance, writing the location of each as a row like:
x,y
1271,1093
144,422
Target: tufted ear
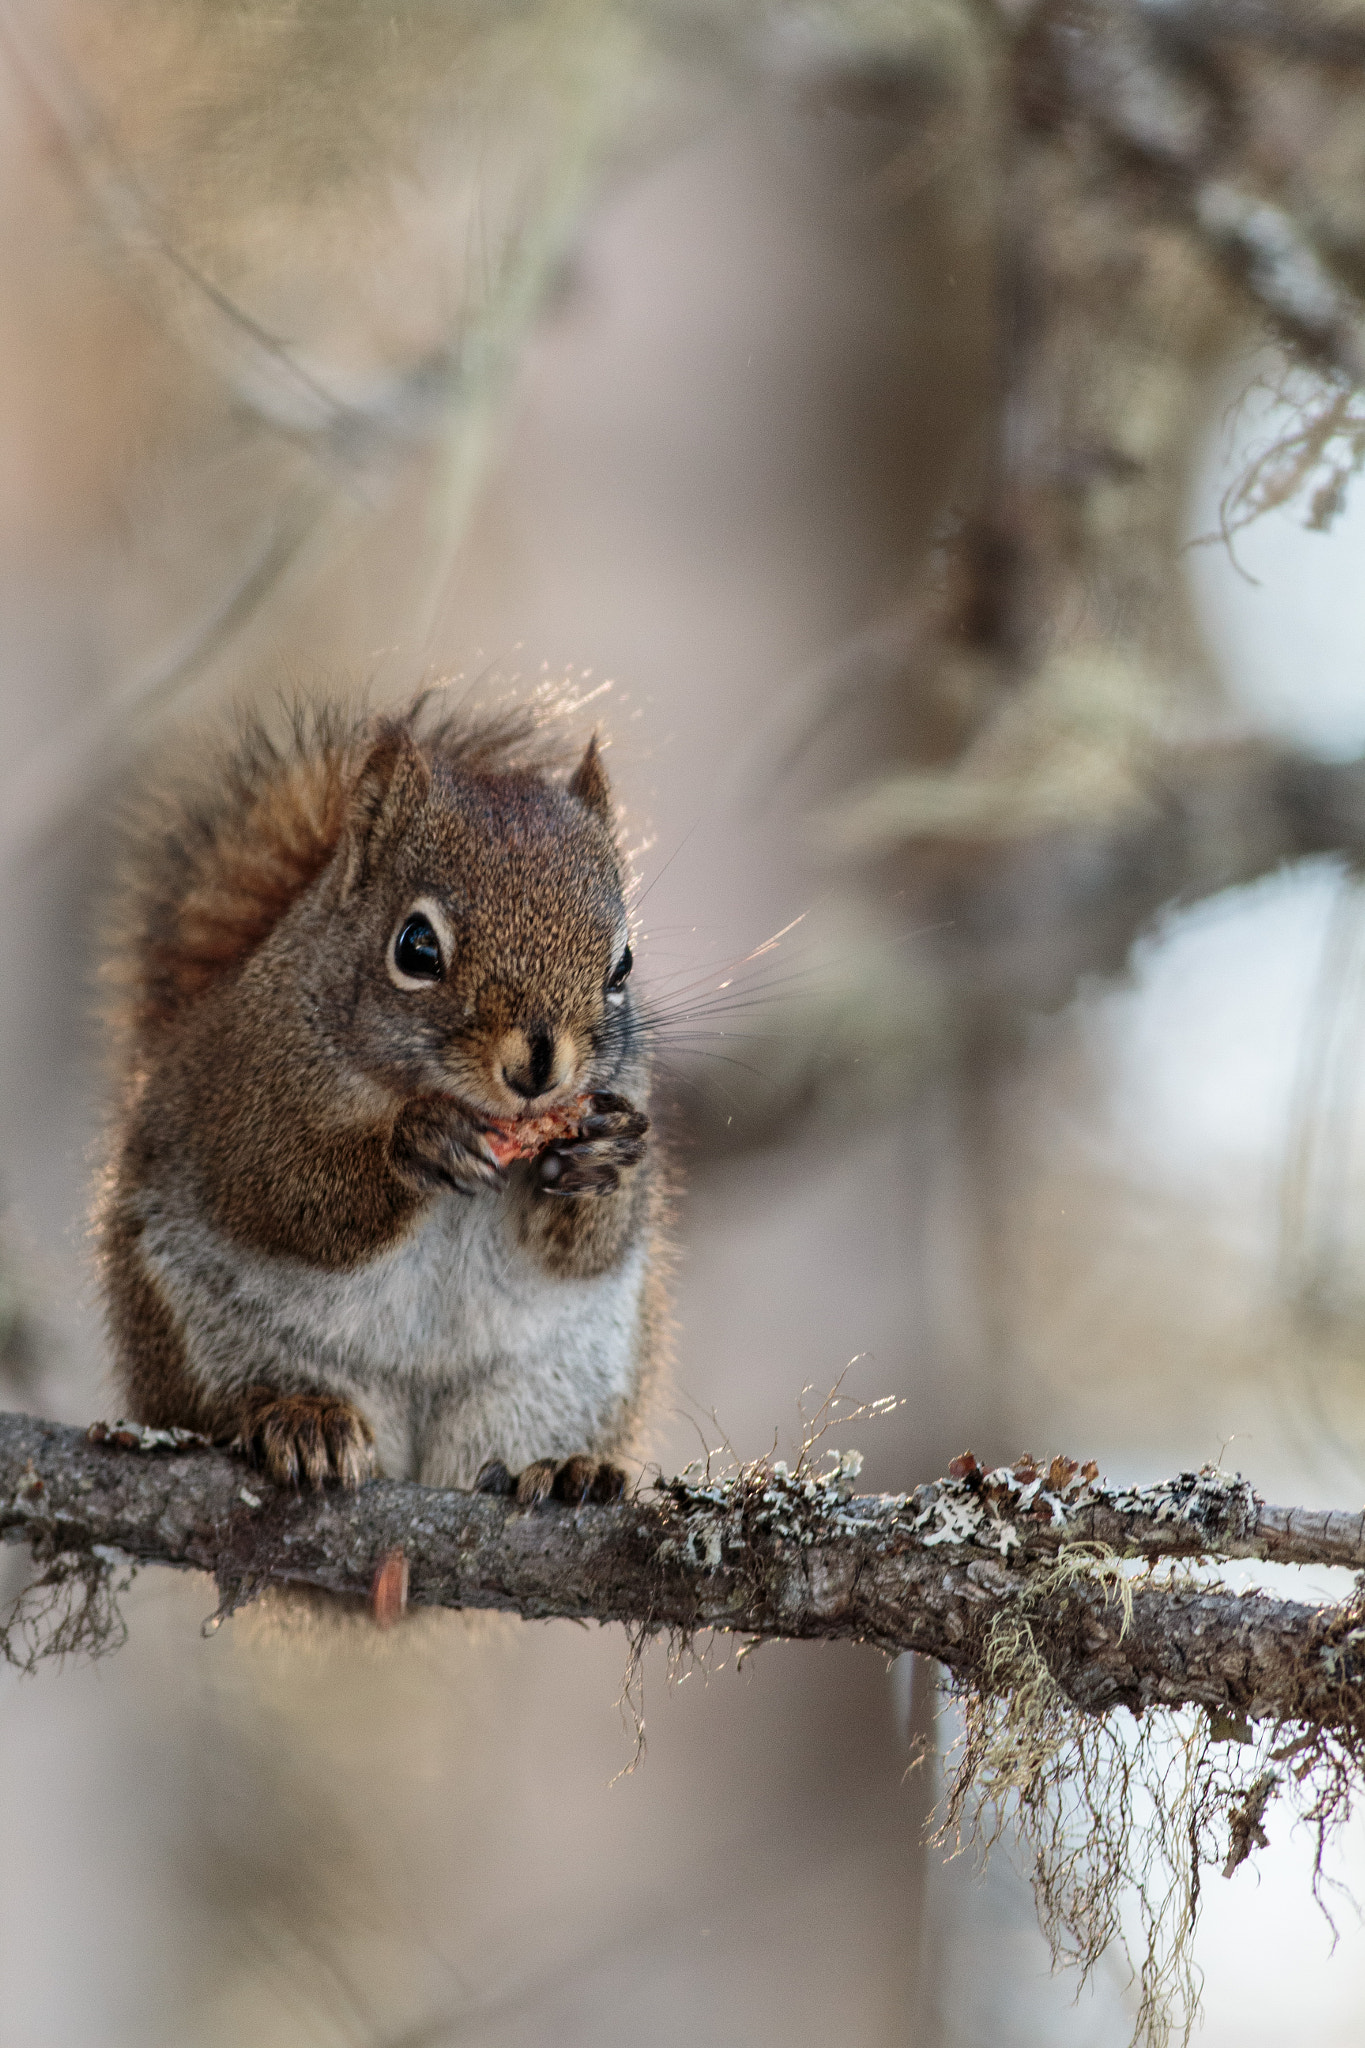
x,y
589,784
389,789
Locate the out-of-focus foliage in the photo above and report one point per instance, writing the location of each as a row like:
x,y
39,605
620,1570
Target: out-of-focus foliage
x,y
324,230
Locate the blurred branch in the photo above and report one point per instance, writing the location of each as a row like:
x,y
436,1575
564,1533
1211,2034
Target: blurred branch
x,y
1114,66
265,374
1286,273
1066,767
1324,29
767,1554
38,798
1002,939
473,137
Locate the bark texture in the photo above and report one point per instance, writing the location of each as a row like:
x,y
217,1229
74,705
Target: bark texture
x,y
766,1554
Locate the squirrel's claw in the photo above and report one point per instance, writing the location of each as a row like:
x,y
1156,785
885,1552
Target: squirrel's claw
x,y
611,1116
435,1145
305,1439
609,1140
585,1478
577,1479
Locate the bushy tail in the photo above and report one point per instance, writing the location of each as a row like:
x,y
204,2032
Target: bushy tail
x,y
214,855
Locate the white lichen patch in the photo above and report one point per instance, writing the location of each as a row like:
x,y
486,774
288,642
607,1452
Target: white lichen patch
x,y
701,1545
985,1509
1217,1504
28,1502
769,1499
139,1436
1343,1659
996,1510
30,1485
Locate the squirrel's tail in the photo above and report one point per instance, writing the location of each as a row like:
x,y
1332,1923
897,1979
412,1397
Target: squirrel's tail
x,y
216,850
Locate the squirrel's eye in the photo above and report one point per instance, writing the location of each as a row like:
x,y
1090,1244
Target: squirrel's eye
x,y
620,973
417,950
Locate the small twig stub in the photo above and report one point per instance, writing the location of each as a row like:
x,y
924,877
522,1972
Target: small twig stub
x,y
389,1588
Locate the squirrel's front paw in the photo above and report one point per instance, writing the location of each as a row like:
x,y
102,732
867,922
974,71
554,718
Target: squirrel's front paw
x,y
305,1439
610,1138
435,1145
576,1479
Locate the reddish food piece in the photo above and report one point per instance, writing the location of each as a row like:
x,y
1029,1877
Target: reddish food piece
x,y
523,1137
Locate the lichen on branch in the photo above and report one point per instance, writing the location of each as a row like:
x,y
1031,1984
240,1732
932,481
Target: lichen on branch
x,y
766,1552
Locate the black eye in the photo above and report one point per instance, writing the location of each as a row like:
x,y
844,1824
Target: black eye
x,y
620,973
417,950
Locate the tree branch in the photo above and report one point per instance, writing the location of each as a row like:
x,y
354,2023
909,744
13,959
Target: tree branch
x,y
766,1554
1299,28
1119,73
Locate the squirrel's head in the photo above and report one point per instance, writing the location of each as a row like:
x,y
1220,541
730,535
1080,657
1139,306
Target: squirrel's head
x,y
485,923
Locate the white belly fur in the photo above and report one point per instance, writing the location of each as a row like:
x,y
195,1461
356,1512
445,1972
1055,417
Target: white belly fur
x,y
454,1344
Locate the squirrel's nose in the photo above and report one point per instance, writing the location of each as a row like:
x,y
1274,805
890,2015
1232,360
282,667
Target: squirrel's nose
x,y
533,1076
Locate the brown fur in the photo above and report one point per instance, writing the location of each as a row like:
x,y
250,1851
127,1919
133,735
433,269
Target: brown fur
x,y
147,1337
578,1236
256,870
285,1095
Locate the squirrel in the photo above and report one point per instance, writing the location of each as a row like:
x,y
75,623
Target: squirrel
x,y
381,1195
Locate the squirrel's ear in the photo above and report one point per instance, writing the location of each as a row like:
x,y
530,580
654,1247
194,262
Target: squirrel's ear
x,y
393,782
589,784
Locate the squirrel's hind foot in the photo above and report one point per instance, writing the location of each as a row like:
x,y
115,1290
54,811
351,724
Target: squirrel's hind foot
x,y
578,1479
305,1439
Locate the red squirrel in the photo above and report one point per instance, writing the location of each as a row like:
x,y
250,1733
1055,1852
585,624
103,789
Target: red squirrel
x,y
383,1196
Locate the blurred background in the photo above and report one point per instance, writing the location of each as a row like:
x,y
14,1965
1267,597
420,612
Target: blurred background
x,y
937,422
